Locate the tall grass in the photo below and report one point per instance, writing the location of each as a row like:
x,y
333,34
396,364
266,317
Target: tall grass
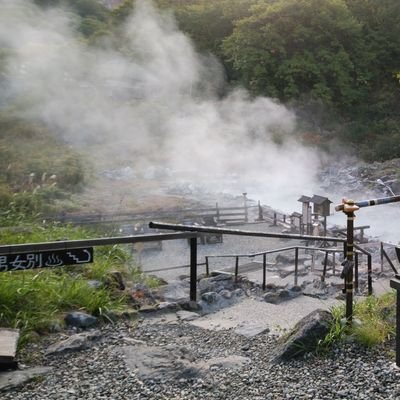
x,y
35,300
373,321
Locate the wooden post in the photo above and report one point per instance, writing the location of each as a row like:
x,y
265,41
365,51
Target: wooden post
x,y
193,269
296,265
207,267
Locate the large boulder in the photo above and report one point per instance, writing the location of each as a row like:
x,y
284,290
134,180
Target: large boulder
x,y
305,336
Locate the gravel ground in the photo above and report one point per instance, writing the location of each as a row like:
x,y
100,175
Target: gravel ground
x,y
348,372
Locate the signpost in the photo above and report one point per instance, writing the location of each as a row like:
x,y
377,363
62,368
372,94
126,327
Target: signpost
x,y
44,259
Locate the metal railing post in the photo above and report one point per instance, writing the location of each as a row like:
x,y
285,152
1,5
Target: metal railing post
x,y
369,274
264,271
356,271
325,266
207,267
395,284
296,265
236,269
193,269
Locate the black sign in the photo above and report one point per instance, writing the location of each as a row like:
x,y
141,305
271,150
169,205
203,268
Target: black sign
x,y
43,259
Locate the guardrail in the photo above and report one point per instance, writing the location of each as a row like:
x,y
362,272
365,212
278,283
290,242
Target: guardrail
x,y
297,248
28,251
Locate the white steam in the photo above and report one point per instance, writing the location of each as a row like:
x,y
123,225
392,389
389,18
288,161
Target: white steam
x,y
156,103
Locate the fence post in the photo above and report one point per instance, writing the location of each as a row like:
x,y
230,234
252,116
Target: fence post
x,y
333,263
207,267
369,275
325,265
264,271
296,265
193,269
260,212
246,212
356,271
236,269
395,284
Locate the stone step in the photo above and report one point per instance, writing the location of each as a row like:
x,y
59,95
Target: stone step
x,y
8,347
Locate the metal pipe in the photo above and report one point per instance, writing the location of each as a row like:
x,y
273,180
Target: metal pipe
x,y
236,269
356,271
349,274
325,266
239,232
193,269
264,271
369,274
74,244
296,265
368,203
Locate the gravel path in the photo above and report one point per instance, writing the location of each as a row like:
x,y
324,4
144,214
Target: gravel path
x,y
348,372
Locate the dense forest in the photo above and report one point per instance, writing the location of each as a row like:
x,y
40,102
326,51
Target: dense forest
x,y
335,63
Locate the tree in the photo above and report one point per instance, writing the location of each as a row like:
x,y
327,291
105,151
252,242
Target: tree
x,y
288,48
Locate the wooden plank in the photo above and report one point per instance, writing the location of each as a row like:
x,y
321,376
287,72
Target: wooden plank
x,y
8,345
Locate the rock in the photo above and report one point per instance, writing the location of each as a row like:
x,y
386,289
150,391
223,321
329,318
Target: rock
x,y
251,330
187,315
80,341
175,292
210,297
14,379
231,362
155,363
80,320
167,306
190,305
271,297
226,294
305,335
116,280
95,284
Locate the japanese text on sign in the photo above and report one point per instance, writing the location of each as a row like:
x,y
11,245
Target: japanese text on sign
x,y
43,259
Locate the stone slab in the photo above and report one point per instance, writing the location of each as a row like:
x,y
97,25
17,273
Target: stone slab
x,y
8,345
14,379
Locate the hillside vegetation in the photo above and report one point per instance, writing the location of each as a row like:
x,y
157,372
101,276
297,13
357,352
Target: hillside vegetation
x,y
336,63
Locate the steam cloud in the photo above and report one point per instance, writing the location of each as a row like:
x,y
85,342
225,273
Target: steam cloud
x,y
157,105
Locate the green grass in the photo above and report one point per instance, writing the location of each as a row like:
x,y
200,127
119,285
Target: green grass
x,y
35,300
376,315
373,322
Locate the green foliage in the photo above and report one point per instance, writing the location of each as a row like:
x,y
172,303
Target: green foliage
x,y
33,301
336,332
288,48
377,316
373,322
36,300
